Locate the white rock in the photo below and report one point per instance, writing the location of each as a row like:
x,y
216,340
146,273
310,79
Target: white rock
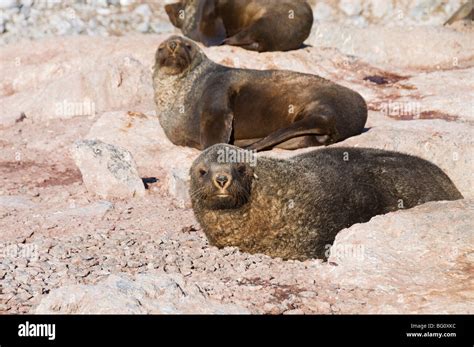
x,y
5,4
143,10
126,2
350,7
144,294
380,8
95,209
323,11
103,11
107,170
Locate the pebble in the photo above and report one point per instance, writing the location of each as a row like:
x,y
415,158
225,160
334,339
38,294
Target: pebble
x,y
22,277
23,296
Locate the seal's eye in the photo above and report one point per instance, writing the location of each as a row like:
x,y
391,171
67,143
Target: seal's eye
x,y
188,46
202,172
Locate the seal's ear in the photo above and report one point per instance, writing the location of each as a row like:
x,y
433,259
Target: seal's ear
x,y
175,12
210,27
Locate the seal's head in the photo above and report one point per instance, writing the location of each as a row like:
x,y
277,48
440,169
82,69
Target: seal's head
x,y
176,12
199,20
176,55
221,178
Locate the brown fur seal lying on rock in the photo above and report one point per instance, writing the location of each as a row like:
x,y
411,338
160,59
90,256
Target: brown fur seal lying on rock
x,y
294,208
200,103
258,25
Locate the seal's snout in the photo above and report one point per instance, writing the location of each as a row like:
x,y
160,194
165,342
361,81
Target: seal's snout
x,y
222,180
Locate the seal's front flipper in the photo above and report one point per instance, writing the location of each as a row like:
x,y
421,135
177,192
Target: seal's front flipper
x,y
216,124
243,39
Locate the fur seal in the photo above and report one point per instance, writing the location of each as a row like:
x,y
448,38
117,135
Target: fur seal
x,y
294,208
258,25
201,103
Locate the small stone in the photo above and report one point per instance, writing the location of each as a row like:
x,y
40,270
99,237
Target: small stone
x,y
307,294
143,10
23,296
350,7
83,273
87,257
134,264
126,2
143,27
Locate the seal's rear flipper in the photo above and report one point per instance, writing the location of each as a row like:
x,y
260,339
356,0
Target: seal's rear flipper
x,y
321,126
243,40
248,44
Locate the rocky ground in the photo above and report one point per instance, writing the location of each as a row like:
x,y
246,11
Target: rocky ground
x,y
68,247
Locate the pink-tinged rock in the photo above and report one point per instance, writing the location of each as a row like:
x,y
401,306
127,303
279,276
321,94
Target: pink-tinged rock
x,y
415,261
84,76
107,171
15,202
97,209
406,47
143,294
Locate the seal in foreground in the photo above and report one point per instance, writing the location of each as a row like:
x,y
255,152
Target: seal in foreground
x,y
293,209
